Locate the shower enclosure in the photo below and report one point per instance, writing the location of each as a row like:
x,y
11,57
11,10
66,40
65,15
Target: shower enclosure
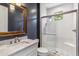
x,y
58,29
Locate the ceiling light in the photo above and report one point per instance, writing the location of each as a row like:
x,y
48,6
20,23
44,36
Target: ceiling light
x,y
18,4
12,8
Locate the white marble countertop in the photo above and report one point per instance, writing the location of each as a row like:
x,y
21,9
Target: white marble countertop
x,y
6,50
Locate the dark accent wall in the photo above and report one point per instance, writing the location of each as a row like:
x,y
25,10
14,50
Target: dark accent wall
x,y
33,24
31,21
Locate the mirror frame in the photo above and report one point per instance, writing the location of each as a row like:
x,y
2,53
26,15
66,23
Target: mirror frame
x,y
17,33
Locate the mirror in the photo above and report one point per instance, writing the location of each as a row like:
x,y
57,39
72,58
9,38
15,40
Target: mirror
x,y
12,18
16,19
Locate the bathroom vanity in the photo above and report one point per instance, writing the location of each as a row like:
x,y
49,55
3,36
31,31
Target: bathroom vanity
x,y
14,24
26,47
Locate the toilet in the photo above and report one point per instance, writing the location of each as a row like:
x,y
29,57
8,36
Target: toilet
x,y
42,51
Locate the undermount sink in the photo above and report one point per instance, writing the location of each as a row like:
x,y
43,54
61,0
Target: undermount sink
x,y
24,42
17,44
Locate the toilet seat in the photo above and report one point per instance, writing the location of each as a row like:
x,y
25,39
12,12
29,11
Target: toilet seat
x,y
42,51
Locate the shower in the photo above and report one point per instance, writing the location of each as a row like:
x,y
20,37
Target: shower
x,y
59,30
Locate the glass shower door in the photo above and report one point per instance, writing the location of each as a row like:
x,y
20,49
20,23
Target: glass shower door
x,y
60,35
49,33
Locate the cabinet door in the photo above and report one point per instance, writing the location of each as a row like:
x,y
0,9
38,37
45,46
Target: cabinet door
x,y
28,51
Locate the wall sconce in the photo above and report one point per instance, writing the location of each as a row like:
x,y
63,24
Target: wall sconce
x,y
18,4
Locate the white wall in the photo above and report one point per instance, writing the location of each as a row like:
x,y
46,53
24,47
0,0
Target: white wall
x,y
3,19
66,38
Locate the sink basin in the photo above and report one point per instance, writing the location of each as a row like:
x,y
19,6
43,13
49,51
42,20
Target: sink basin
x,y
22,43
18,44
25,42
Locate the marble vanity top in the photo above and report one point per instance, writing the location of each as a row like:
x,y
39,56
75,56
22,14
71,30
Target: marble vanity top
x,y
6,50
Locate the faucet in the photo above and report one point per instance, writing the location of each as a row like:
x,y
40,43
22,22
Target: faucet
x,y
10,42
16,39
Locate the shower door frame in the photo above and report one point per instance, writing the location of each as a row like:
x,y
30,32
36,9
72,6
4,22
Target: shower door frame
x,y
77,32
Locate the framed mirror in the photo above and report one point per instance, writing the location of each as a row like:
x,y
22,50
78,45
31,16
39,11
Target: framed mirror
x,y
13,19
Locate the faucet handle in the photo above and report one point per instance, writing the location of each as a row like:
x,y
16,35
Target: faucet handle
x,y
15,41
10,42
18,40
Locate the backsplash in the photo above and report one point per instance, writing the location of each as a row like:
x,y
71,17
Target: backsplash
x,y
8,39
